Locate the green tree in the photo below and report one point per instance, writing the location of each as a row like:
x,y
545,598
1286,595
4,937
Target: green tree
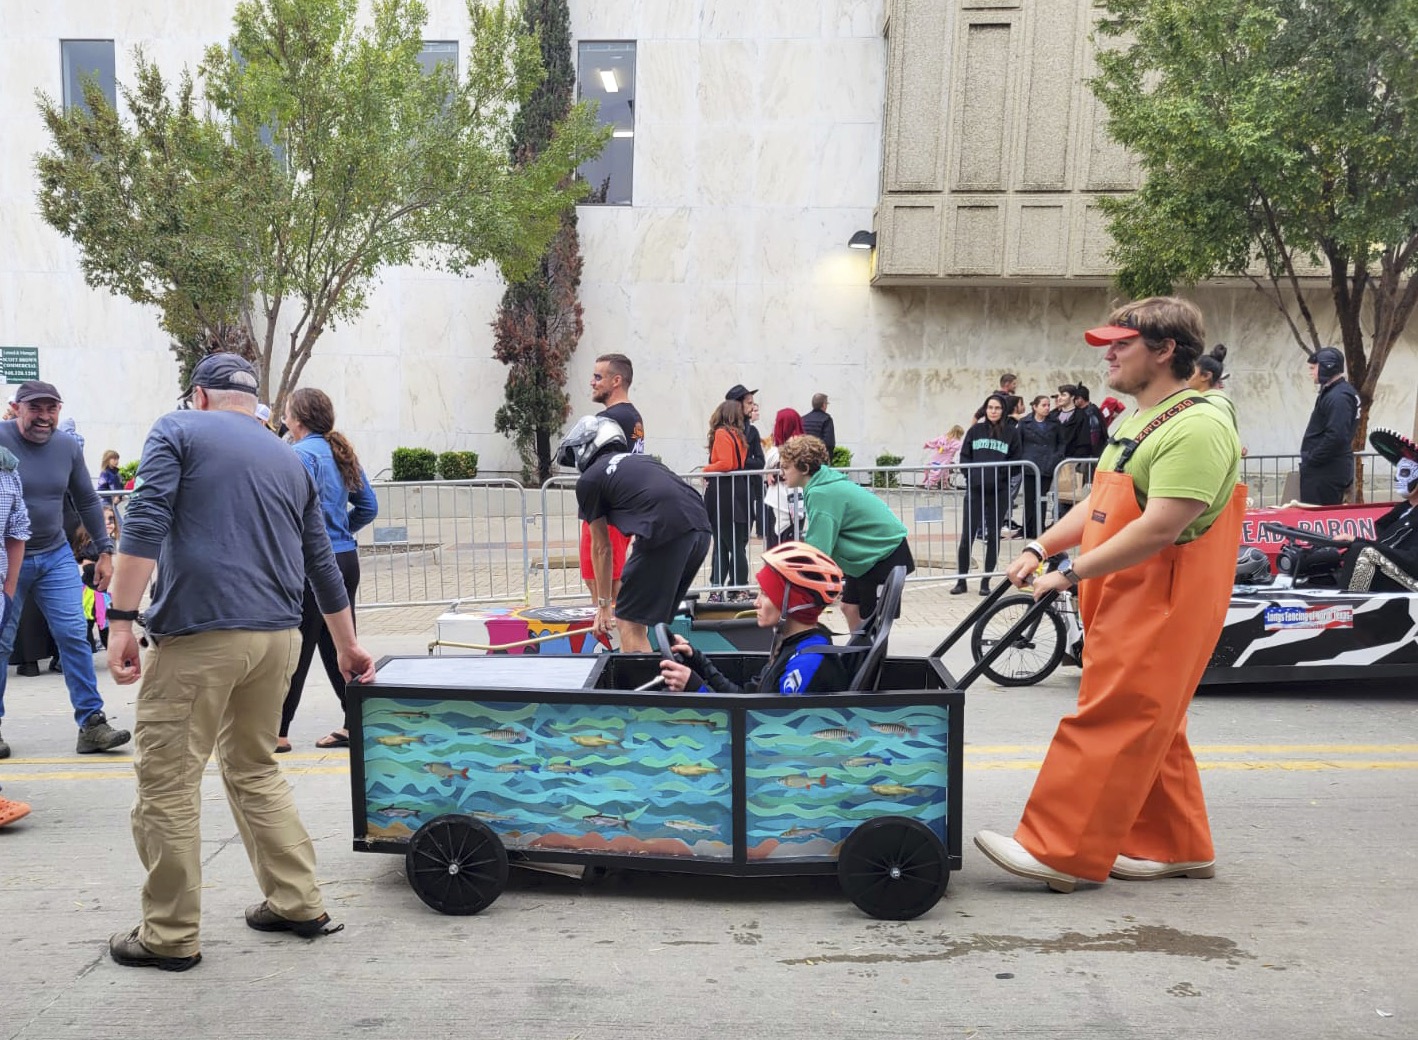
x,y
319,153
1279,143
539,321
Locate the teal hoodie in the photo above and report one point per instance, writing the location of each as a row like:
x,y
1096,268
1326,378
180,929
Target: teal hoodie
x,y
848,522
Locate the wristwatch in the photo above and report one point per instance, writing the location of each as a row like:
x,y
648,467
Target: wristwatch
x,y
114,614
1066,570
603,602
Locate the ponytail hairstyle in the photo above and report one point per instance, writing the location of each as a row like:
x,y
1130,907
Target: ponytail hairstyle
x,y
313,410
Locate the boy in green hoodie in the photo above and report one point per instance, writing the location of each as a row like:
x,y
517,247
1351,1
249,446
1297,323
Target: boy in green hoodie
x,y
847,522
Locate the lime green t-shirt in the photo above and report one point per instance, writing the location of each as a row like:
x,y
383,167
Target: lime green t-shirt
x,y
1193,455
1219,398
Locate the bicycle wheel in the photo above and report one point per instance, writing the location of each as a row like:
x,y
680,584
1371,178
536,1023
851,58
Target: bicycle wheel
x,y
1032,654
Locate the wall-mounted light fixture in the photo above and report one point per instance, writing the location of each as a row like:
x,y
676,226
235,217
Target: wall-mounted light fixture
x,y
609,81
863,240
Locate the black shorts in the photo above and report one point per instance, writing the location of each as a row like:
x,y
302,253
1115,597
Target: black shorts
x,y
657,577
864,590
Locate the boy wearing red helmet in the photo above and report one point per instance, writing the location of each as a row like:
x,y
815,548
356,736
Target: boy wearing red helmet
x,y
796,583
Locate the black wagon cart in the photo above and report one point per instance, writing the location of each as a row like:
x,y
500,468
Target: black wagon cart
x,y
463,764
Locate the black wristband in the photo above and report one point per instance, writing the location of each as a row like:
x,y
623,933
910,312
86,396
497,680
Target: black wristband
x,y
114,614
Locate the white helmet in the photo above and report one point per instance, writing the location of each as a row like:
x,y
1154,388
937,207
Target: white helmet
x,y
587,438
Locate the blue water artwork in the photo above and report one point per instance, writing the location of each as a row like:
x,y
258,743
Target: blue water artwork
x,y
813,774
591,778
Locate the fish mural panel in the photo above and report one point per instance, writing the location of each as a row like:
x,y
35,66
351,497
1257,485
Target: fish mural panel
x,y
594,778
814,774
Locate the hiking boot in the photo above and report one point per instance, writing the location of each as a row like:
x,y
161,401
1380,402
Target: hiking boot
x,y
97,735
4,748
128,951
264,919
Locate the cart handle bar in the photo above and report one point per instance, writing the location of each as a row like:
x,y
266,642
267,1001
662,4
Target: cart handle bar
x,y
959,630
1039,607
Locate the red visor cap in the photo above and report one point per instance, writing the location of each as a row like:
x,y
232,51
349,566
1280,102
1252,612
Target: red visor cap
x,y
1108,334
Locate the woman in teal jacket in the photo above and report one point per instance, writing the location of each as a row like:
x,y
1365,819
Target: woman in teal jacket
x,y
349,504
847,522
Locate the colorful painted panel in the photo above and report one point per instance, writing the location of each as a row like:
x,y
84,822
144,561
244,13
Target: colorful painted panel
x,y
590,778
813,774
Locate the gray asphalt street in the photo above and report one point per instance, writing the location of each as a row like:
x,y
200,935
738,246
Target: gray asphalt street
x,y
1306,931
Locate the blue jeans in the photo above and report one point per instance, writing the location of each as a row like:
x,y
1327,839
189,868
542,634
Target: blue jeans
x,y
53,579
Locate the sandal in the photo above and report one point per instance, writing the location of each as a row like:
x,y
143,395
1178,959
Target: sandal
x,y
335,739
281,749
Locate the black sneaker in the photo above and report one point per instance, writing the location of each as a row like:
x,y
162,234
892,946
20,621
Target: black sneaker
x,y
264,919
97,735
128,951
4,748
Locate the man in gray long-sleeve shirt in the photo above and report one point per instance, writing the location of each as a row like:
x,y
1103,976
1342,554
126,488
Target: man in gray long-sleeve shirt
x,y
51,466
232,521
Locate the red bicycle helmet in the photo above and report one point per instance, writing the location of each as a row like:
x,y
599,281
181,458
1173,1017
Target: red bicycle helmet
x,y
806,567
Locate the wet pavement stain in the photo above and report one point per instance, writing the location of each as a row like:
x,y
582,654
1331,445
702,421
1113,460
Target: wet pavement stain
x,y
1137,939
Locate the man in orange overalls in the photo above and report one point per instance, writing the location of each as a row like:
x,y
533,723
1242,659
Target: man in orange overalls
x,y
1119,791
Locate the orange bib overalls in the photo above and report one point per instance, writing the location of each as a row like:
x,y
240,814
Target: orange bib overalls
x,y
1119,776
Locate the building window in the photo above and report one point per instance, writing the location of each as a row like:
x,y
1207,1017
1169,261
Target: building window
x,y
607,75
87,59
439,52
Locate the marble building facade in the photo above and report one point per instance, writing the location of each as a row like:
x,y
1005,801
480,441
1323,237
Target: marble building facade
x,y
765,135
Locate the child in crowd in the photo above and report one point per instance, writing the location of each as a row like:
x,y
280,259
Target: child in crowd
x,y
945,451
796,583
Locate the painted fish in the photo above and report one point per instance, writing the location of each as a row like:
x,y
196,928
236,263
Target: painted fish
x,y
566,767
490,817
516,767
894,729
596,742
397,812
509,735
444,771
691,826
410,714
803,780
693,770
893,790
607,822
866,760
399,741
803,832
691,722
836,733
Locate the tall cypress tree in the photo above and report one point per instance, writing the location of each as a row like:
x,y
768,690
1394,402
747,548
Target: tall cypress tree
x,y
539,320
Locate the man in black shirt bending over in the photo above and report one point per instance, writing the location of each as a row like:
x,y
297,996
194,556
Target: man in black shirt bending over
x,y
610,386
641,497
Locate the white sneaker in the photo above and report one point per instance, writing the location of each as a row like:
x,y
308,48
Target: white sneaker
x,y
1129,869
1009,855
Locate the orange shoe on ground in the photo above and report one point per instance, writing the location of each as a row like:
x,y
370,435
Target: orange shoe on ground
x,y
12,811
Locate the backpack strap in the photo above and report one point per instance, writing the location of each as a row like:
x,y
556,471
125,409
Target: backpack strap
x,y
1131,444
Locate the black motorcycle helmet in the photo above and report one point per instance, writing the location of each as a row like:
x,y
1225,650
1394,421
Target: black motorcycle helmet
x,y
1252,568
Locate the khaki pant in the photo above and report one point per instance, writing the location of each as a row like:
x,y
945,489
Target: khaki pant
x,y
219,689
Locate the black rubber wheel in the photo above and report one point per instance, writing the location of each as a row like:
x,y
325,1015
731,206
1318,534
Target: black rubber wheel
x,y
1032,655
456,864
893,868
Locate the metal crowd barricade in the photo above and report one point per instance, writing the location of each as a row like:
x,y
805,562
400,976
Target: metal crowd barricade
x,y
1271,480
728,495
445,541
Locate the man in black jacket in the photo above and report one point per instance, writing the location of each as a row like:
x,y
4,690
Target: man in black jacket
x,y
1087,430
1327,452
817,423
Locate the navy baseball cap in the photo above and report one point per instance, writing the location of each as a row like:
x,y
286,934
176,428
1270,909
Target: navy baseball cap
x,y
36,390
225,372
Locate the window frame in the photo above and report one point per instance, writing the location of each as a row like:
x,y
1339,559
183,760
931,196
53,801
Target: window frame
x,y
634,51
67,101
